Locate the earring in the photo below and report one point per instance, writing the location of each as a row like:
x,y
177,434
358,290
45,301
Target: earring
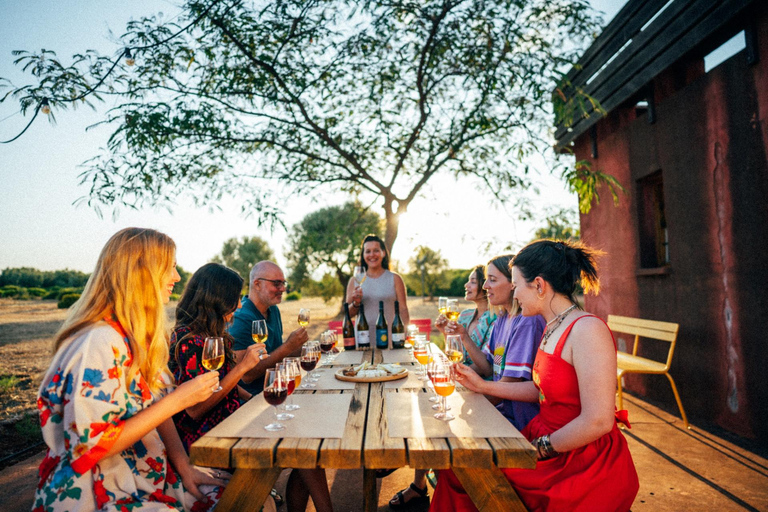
x,y
541,294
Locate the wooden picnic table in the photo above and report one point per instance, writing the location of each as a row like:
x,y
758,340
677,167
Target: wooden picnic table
x,y
366,445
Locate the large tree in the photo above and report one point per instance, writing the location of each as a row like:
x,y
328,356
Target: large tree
x,y
330,239
242,255
373,97
429,265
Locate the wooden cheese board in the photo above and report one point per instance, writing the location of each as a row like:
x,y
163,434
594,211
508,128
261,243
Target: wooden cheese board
x,y
340,375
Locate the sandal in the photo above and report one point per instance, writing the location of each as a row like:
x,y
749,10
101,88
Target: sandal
x,y
398,500
276,497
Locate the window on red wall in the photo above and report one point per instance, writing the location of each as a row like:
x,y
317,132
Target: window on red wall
x,y
652,222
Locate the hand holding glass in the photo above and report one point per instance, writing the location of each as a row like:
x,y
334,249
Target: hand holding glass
x,y
454,349
213,355
259,334
452,310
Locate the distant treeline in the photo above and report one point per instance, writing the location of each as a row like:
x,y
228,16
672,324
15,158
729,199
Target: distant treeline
x,y
27,277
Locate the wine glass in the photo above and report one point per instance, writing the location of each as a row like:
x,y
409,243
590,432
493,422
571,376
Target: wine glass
x,y
359,275
431,367
275,393
452,309
290,384
442,303
454,349
308,361
444,385
260,333
304,317
293,370
412,330
327,341
314,345
422,353
213,355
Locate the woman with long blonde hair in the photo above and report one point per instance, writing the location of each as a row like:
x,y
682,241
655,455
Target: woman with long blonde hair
x,y
106,446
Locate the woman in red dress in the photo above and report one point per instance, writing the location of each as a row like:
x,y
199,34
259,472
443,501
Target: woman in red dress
x,y
584,462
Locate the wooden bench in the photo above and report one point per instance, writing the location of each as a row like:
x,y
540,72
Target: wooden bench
x,y
632,363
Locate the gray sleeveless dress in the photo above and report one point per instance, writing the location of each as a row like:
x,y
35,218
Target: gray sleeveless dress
x,y
374,290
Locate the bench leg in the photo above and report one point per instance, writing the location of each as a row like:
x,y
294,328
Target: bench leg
x,y
677,397
370,496
248,489
489,489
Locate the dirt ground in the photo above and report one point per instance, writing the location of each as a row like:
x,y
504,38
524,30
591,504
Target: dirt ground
x,y
27,329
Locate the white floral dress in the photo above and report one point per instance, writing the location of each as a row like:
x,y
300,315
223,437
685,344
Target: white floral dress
x,y
83,404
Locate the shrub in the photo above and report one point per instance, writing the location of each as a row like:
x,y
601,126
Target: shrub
x,y
23,294
8,382
68,291
10,290
52,294
37,292
175,296
67,300
293,296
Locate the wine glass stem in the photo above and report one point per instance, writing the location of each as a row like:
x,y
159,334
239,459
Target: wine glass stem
x,y
445,405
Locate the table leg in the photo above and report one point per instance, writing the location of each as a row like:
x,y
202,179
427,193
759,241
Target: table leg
x,y
247,488
489,489
370,496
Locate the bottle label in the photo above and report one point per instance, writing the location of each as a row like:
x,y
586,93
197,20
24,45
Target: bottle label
x,y
363,339
349,343
382,338
398,340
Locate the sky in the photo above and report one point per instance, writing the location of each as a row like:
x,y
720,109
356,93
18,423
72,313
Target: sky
x,y
41,227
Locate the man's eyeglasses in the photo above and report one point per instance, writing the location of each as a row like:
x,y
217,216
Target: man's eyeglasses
x,y
277,282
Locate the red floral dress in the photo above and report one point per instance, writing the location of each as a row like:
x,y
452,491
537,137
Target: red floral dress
x,y
599,476
83,404
186,364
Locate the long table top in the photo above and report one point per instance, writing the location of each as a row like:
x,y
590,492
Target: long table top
x,y
366,444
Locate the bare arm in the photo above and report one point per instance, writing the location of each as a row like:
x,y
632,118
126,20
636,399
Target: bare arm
x,y
140,424
402,298
523,391
291,347
590,349
479,360
354,296
249,359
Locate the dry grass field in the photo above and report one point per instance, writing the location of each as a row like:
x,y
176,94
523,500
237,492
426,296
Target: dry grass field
x,y
27,329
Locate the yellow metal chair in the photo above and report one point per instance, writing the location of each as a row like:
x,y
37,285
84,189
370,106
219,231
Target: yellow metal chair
x,y
632,363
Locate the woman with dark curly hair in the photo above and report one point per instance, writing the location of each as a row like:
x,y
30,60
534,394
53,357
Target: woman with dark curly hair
x,y
206,307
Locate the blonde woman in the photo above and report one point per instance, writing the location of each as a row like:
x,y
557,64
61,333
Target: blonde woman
x,y
107,448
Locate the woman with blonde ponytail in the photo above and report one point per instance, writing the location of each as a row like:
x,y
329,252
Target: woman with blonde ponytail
x,y
107,448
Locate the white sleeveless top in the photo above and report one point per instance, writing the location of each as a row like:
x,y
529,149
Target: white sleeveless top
x,y
376,289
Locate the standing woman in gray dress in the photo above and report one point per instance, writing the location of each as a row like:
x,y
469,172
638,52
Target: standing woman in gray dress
x,y
380,285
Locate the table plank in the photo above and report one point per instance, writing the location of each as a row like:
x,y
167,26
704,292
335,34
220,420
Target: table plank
x,y
513,452
247,488
347,452
380,450
471,452
254,453
489,489
429,453
212,452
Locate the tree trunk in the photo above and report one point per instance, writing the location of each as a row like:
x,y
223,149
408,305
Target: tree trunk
x,y
392,219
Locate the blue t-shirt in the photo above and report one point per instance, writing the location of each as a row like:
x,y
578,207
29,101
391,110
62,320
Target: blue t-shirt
x,y
241,331
512,350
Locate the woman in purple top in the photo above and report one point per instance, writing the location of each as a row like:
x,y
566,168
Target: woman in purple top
x,y
514,339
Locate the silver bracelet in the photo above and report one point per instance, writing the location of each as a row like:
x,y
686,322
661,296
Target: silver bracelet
x,y
544,448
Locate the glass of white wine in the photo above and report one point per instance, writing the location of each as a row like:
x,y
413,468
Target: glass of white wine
x,y
359,275
213,355
304,317
442,303
444,386
259,333
454,349
452,309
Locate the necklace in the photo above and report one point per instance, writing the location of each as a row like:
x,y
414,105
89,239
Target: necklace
x,y
553,324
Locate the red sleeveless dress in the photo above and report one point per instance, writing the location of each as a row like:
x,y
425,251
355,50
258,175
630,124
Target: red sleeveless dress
x,y
599,476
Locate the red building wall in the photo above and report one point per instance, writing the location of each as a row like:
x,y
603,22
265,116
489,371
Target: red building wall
x,y
710,142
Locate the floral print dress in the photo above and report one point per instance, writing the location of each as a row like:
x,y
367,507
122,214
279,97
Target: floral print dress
x,y
83,404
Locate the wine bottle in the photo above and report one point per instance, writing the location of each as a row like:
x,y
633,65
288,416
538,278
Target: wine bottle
x,y
398,329
382,336
347,330
363,336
